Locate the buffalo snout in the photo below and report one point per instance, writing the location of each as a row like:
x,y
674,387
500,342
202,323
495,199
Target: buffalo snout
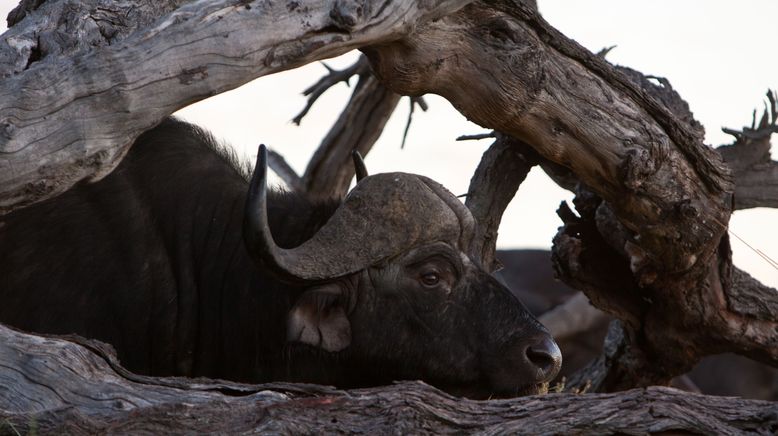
x,y
543,358
525,367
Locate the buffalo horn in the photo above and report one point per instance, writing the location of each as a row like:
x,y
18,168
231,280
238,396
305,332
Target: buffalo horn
x,y
256,230
384,215
307,263
359,165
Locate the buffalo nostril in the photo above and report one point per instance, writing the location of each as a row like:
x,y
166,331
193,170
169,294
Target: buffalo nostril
x,y
545,355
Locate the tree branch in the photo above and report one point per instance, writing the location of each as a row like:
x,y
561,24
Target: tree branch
x,y
360,68
279,165
575,316
656,168
756,174
414,101
358,127
120,90
76,387
499,174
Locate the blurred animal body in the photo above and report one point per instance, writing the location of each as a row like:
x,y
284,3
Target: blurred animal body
x,y
530,276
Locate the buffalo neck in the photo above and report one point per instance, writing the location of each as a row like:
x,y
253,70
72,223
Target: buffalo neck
x,y
231,317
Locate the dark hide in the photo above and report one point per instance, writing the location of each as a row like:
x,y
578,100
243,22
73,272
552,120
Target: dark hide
x,y
151,259
146,261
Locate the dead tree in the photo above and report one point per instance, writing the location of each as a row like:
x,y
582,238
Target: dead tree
x,y
648,243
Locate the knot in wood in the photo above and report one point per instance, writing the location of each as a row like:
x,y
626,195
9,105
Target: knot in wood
x,y
346,14
639,165
7,131
191,75
686,209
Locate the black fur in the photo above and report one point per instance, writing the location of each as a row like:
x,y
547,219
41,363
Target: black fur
x,y
148,260
151,259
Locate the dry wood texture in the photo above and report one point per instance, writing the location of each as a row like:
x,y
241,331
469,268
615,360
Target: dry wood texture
x,y
58,386
499,174
119,90
756,174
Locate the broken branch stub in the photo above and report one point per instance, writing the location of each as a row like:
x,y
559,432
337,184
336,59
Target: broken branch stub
x,y
756,174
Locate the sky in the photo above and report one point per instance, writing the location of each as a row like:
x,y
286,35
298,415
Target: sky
x,y
719,57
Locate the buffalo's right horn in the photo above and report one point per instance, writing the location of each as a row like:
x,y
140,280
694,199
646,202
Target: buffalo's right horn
x,y
256,229
359,165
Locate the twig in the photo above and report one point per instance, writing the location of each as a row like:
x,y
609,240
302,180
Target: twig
x,y
278,164
16,432
477,136
334,77
768,124
605,50
423,106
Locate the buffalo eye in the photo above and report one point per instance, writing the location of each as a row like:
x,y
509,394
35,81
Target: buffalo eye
x,y
430,278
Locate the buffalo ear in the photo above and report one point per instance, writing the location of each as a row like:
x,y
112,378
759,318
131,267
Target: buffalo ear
x,y
318,318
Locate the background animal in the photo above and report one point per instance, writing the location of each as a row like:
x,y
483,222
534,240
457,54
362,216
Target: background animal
x,y
530,276
170,261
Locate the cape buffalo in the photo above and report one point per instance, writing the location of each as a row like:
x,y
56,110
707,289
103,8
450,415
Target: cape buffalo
x,y
173,263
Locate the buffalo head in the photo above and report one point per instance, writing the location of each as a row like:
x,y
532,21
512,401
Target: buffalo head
x,y
393,289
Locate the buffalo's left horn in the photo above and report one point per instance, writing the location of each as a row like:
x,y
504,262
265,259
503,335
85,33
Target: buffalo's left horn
x,y
359,165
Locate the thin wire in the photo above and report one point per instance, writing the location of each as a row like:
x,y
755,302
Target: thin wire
x,y
759,253
775,265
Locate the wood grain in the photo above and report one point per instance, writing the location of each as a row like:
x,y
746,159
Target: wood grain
x,y
73,386
70,118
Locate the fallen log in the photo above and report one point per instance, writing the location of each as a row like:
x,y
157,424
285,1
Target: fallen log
x,y
71,385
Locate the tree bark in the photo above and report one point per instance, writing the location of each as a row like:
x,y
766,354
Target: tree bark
x,y
119,90
74,386
502,169
756,174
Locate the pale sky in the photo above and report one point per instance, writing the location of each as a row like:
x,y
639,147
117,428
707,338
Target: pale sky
x,y
719,55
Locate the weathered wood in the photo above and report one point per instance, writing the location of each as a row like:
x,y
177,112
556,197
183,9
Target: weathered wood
x,y
198,50
360,124
573,317
649,245
56,28
58,386
499,174
360,68
756,174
